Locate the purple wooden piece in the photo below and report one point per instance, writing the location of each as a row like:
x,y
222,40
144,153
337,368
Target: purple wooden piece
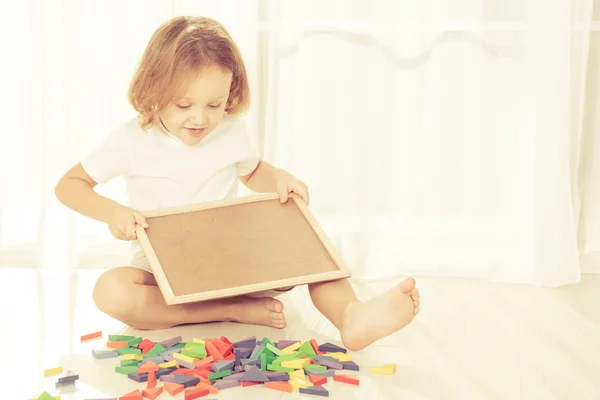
x,y
315,390
223,365
185,364
282,344
164,371
321,358
168,378
226,384
250,361
248,342
239,368
331,364
327,373
237,376
186,380
254,375
138,377
155,360
104,353
351,365
279,378
244,352
171,342
331,348
256,350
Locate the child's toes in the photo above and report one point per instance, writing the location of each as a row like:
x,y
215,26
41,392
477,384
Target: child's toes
x,y
414,293
417,309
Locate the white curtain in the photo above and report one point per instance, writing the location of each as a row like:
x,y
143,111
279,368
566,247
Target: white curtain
x,y
437,138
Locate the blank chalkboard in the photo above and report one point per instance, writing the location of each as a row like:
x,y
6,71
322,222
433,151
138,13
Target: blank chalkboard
x,y
238,246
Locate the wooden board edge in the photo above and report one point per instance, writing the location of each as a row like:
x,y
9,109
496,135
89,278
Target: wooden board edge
x,y
259,287
316,227
157,271
209,204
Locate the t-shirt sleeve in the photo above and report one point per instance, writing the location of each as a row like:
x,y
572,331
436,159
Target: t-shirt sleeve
x,y
110,159
250,158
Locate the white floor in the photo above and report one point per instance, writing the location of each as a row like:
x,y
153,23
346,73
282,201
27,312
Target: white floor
x,y
472,340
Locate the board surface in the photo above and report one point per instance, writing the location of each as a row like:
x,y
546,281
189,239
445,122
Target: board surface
x,y
236,247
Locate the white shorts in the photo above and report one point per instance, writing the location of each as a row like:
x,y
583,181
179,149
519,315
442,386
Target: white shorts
x,y
140,261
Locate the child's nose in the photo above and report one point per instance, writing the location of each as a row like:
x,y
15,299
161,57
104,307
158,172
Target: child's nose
x,y
201,118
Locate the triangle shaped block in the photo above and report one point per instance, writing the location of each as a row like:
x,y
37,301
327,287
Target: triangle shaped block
x,y
173,388
254,375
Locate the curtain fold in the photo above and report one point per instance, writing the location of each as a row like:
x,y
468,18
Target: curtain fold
x,y
437,138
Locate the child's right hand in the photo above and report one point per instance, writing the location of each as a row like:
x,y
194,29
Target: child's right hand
x,y
122,223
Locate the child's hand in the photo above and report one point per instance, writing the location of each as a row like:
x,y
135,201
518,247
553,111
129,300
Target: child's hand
x,y
122,223
287,184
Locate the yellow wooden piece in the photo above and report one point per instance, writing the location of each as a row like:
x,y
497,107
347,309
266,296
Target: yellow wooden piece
x,y
137,357
53,371
296,364
181,357
300,383
342,357
299,374
196,340
168,364
388,369
292,348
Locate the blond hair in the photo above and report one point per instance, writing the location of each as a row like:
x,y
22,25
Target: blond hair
x,y
178,50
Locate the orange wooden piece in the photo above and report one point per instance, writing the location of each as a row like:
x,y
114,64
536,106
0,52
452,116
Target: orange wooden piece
x,y
224,339
317,380
315,347
152,393
229,357
203,372
116,345
91,336
151,380
135,395
221,346
244,384
211,389
173,388
148,367
208,360
184,371
351,379
211,350
195,393
282,386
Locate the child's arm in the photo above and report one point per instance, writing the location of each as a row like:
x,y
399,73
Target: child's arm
x,y
76,191
267,178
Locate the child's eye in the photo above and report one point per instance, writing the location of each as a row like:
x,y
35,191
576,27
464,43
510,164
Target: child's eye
x,y
183,107
214,105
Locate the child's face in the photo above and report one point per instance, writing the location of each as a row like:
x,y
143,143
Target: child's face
x,y
196,114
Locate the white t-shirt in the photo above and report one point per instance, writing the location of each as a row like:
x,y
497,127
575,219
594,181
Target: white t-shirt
x,y
161,171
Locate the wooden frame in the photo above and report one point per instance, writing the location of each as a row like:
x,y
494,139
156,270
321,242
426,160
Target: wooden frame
x,y
271,245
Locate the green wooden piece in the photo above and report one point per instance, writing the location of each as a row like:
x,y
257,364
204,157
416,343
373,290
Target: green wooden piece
x,y
126,370
263,361
120,338
128,350
315,367
266,341
275,350
218,375
279,368
134,342
129,363
158,348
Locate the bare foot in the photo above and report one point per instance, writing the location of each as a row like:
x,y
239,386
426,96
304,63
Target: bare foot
x,y
258,311
381,316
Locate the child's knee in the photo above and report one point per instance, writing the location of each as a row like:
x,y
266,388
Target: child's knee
x,y
112,294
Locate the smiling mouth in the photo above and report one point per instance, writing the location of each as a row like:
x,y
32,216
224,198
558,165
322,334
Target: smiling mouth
x,y
195,132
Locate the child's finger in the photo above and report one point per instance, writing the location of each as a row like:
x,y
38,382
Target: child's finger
x,y
140,219
130,229
303,193
284,194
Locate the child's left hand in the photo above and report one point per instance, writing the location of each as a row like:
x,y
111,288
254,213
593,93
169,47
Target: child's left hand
x,y
287,184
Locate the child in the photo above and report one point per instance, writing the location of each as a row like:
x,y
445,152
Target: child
x,y
188,146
